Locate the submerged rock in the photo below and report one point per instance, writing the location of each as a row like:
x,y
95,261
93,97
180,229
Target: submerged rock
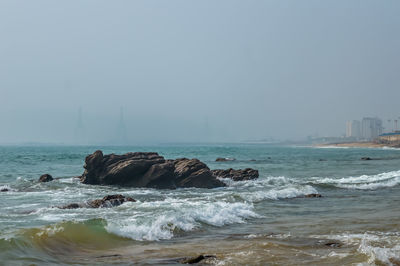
x,y
110,201
237,175
313,195
366,158
106,202
334,244
45,178
221,159
197,259
72,206
147,169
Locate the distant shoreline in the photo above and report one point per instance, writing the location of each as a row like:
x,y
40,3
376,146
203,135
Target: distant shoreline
x,y
357,145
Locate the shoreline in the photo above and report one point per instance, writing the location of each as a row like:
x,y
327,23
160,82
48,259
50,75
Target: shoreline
x,y
356,145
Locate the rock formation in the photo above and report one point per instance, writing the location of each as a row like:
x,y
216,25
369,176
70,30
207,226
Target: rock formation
x,y
236,175
147,169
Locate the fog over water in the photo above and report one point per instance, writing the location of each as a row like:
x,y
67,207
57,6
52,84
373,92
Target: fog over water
x,y
194,71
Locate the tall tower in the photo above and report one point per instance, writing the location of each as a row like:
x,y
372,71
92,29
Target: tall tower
x,y
80,134
121,129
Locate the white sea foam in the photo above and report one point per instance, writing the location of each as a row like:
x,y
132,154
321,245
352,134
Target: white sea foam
x,y
331,147
258,183
389,179
378,246
160,220
278,193
5,187
390,148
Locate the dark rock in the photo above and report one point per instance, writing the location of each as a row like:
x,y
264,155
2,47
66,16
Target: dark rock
x,y
109,256
45,178
237,175
220,159
313,195
106,202
160,176
4,190
72,206
197,259
366,158
109,201
127,169
194,173
333,244
147,169
395,261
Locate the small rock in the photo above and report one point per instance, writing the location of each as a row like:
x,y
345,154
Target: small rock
x,y
109,201
106,202
197,259
313,195
220,159
71,206
395,261
237,175
366,158
4,190
45,178
333,244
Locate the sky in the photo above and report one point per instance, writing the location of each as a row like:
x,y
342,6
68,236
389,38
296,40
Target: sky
x,y
195,71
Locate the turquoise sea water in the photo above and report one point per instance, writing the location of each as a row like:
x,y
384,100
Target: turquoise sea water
x,y
266,221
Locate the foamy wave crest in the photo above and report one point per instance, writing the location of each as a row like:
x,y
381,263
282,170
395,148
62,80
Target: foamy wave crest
x,y
163,219
330,147
390,148
381,247
278,193
389,179
5,187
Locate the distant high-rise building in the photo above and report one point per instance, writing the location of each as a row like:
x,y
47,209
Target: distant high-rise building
x,y
353,129
371,128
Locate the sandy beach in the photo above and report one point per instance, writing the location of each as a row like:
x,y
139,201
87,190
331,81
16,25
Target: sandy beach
x,y
355,145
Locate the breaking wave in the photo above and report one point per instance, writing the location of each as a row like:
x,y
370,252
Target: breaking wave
x,y
179,215
363,182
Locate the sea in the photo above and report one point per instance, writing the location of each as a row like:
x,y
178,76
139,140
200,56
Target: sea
x,y
267,221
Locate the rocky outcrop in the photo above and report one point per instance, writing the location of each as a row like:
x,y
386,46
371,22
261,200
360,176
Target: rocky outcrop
x,y
147,169
106,202
237,175
45,178
194,173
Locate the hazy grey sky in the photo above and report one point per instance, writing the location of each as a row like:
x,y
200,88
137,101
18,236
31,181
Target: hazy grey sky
x,y
195,70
